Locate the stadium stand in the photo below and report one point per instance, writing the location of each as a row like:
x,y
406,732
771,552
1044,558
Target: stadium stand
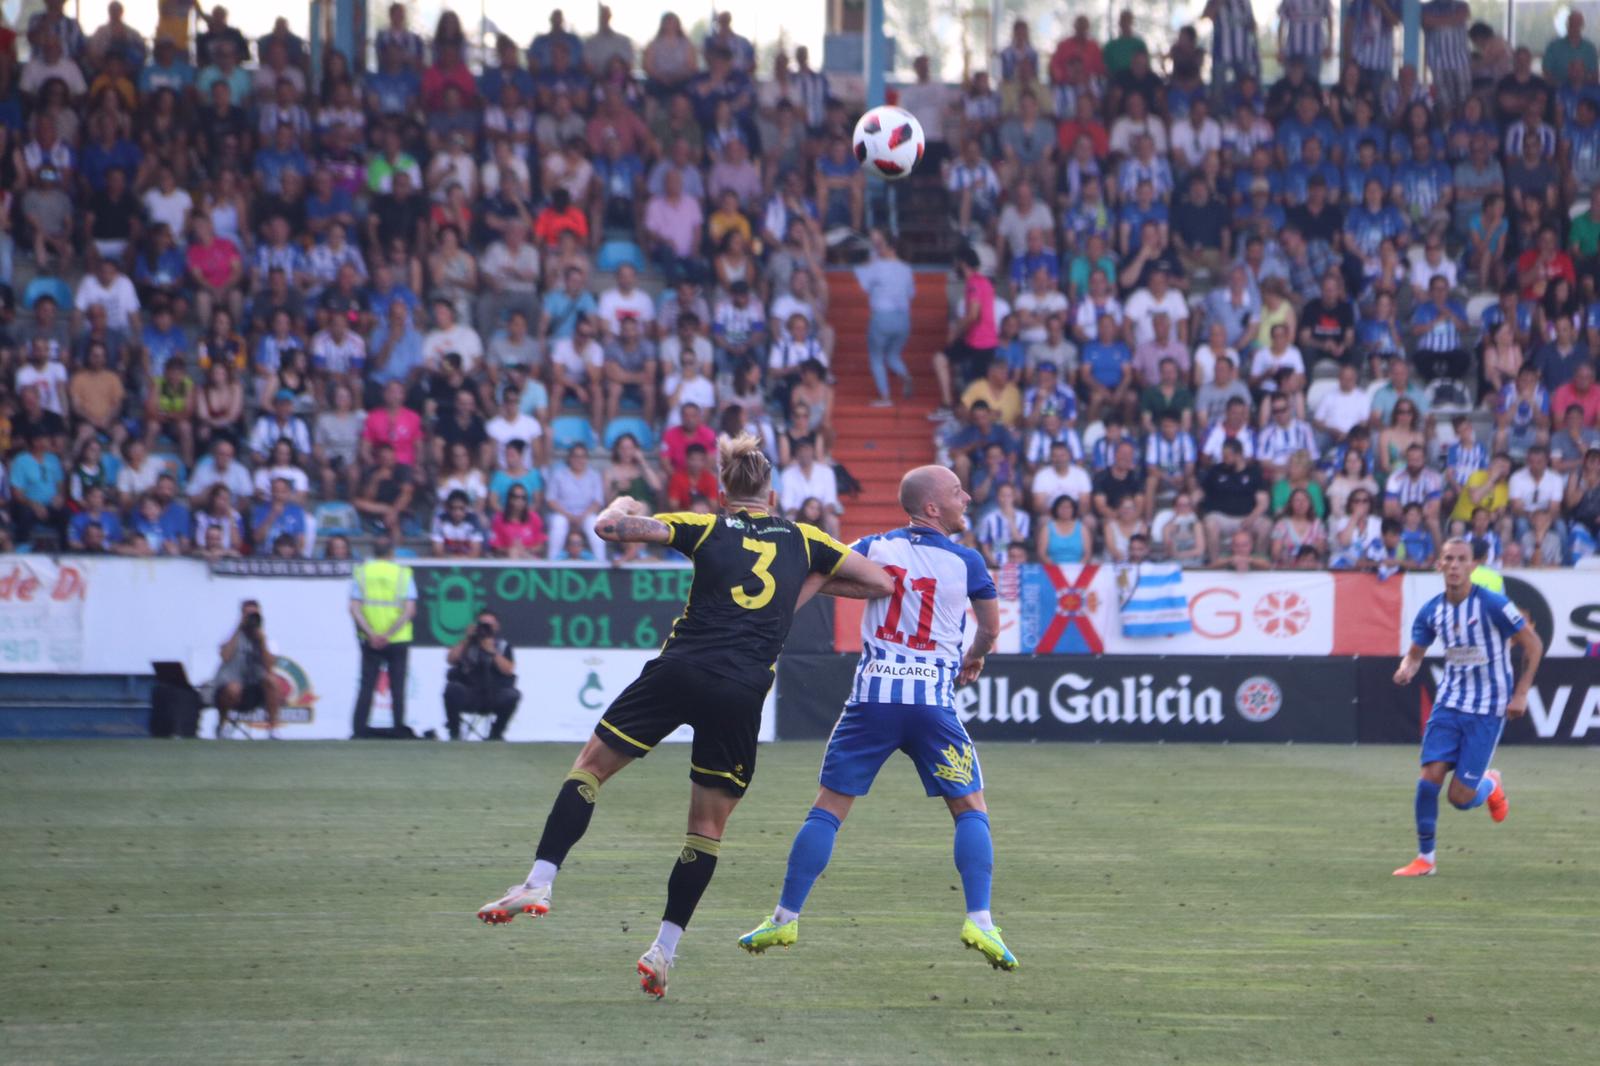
x,y
224,267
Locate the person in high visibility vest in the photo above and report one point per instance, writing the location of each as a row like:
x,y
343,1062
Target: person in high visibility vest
x,y
383,601
1483,575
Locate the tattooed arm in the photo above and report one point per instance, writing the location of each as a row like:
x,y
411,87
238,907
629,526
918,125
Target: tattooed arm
x,y
626,521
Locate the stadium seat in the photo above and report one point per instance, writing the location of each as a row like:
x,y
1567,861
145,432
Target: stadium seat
x,y
1325,370
567,430
614,253
172,464
404,552
1093,434
630,424
1447,396
1159,525
45,285
1579,206
335,517
1477,304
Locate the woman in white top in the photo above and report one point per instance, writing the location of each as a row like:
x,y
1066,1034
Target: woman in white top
x,y
1354,534
283,464
1279,365
1215,347
669,58
1352,478
459,473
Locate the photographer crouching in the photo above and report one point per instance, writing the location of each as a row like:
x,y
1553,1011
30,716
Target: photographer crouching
x,y
244,681
482,678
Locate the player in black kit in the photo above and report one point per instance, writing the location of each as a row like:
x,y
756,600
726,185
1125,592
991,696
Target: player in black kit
x,y
752,569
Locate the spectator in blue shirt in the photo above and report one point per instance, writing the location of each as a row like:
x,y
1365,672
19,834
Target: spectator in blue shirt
x,y
1105,372
1440,326
38,490
162,338
1033,258
278,517
94,513
394,351
169,69
563,307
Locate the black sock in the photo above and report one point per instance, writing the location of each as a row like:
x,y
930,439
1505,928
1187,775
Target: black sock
x,y
569,817
696,863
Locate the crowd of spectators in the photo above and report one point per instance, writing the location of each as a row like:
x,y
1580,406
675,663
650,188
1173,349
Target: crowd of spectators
x,y
264,301
256,305
1281,322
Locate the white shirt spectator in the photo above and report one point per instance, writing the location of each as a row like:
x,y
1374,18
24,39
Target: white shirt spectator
x,y
1048,484
672,351
119,299
1205,363
1267,362
268,431
461,339
1212,448
503,431
1543,494
577,363
236,478
1053,302
1193,143
338,356
1086,317
518,273
1125,130
298,482
1342,411
615,305
702,391
50,381
1143,305
169,209
786,305
1423,272
799,486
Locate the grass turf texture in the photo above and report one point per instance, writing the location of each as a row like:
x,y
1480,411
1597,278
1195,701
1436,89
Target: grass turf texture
x,y
198,902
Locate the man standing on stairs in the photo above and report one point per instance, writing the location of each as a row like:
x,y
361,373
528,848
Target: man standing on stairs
x,y
890,287
973,337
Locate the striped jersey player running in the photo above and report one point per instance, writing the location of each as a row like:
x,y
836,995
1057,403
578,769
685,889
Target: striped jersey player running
x,y
1478,628
902,700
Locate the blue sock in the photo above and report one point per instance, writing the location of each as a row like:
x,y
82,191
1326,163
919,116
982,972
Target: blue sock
x,y
1485,787
808,857
1427,815
974,858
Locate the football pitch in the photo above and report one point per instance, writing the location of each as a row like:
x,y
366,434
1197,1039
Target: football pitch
x,y
313,903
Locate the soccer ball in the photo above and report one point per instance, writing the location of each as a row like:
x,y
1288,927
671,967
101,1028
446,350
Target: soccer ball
x,y
889,142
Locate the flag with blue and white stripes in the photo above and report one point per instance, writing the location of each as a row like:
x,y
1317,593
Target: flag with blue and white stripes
x,y
1153,603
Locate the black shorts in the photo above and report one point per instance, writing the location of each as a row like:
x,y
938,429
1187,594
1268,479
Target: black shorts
x,y
725,716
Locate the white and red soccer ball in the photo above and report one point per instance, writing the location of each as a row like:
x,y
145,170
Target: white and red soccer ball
x,y
889,142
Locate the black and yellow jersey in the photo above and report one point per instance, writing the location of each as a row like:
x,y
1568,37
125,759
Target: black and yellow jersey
x,y
748,569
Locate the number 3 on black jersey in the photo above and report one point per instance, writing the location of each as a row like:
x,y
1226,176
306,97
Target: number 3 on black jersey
x,y
766,551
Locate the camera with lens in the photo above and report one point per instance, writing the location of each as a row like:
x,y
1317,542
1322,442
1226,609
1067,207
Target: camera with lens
x,y
482,630
252,622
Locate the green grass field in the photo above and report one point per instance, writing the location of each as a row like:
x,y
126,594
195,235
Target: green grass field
x,y
240,903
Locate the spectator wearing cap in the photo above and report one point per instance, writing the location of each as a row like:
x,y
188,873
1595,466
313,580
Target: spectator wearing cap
x,y
280,423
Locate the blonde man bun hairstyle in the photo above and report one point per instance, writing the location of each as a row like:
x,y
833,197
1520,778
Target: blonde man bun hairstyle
x,y
746,473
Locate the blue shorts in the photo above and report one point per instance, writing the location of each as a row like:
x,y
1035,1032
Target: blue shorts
x,y
868,733
1465,741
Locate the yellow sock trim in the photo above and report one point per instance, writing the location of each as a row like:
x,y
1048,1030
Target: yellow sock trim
x,y
588,784
704,845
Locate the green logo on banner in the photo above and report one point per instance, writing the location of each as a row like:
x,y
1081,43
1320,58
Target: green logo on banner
x,y
453,599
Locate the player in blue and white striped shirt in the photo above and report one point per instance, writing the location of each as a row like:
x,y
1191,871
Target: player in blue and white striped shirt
x,y
1476,696
903,699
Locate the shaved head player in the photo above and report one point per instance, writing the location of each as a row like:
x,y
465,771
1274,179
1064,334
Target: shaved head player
x,y
1478,629
751,569
903,700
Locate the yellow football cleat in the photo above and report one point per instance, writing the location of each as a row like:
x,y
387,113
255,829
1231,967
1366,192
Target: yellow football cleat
x,y
768,935
989,943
